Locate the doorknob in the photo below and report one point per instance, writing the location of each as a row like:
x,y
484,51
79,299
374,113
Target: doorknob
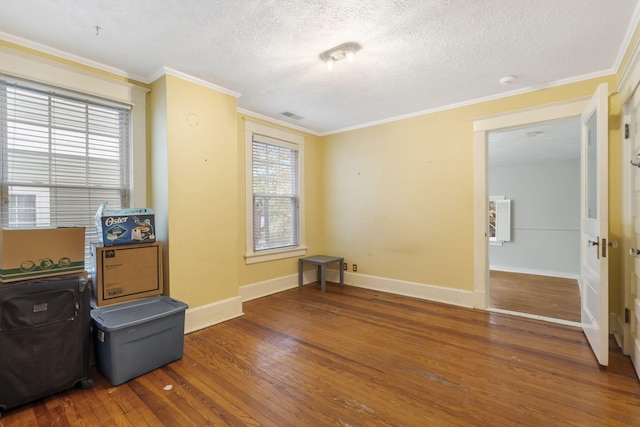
x,y
634,252
597,243
613,244
636,162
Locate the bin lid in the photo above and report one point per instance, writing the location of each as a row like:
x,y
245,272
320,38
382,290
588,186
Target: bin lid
x,y
127,314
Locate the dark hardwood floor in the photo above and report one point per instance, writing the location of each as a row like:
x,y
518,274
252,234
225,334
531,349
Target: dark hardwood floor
x,y
356,357
552,297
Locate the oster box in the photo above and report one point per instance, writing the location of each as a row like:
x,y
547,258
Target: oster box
x,y
125,226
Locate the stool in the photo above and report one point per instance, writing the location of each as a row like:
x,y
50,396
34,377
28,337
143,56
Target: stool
x,y
321,261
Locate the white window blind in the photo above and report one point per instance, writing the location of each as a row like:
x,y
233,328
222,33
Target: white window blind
x,y
62,154
275,193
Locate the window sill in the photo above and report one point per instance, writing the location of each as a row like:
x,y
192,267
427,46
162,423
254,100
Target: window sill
x,y
256,257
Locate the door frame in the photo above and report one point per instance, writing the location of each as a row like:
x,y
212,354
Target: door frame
x,y
622,329
481,127
627,85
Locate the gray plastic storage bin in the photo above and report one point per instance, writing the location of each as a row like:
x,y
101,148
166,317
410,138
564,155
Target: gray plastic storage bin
x,y
136,337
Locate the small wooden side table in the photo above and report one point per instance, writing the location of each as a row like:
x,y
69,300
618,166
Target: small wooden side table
x,y
321,261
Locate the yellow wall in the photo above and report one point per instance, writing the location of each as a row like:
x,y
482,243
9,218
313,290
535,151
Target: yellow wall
x,y
398,197
157,176
198,189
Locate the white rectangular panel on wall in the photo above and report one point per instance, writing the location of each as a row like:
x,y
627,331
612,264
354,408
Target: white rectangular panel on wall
x,y
503,220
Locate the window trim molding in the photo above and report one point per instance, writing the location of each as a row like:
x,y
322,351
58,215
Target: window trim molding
x,y
40,70
252,257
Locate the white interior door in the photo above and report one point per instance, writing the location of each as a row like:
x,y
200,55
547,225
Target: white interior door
x,y
632,300
594,226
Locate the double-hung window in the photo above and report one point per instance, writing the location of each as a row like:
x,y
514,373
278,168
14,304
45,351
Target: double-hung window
x,y
274,200
62,154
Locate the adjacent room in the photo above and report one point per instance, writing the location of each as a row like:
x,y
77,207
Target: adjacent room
x,y
534,240
333,212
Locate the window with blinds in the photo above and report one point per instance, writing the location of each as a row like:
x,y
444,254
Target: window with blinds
x,y
275,194
62,154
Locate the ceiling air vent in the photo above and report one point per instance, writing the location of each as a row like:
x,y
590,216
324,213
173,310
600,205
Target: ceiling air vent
x,y
292,115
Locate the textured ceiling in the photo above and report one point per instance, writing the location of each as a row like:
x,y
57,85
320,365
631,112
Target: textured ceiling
x,y
541,142
417,55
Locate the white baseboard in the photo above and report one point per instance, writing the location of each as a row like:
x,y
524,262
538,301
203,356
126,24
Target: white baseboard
x,y
220,311
207,315
616,327
279,284
561,274
211,314
268,287
410,289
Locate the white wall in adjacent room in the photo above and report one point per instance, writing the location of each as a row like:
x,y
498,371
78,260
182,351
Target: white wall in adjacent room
x,y
545,217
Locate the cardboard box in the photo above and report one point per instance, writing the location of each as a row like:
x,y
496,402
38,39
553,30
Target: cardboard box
x,y
126,272
31,253
137,337
125,226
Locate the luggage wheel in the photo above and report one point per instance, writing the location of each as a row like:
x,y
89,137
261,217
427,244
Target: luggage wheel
x,y
86,384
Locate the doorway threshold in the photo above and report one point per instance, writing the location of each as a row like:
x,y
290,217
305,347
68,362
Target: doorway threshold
x,y
536,317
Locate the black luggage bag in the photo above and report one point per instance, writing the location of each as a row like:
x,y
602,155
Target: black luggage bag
x,y
44,338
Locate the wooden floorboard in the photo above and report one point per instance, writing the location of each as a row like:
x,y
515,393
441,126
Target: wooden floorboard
x,y
553,297
357,357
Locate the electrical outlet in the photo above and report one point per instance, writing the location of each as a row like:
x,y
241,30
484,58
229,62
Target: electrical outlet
x,y
345,266
355,267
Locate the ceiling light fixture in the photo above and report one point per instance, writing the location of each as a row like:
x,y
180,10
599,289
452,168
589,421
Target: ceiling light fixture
x,y
507,80
345,50
534,133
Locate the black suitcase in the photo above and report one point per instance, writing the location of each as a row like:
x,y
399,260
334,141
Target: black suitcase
x,y
44,338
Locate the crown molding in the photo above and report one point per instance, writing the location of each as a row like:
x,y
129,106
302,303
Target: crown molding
x,y
276,121
68,56
503,95
184,76
630,76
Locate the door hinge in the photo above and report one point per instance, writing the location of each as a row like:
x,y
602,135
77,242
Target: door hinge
x,y
627,315
626,131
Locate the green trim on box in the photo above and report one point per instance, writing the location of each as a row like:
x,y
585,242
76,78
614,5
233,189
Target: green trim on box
x,y
18,273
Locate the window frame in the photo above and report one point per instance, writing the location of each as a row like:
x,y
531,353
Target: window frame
x,y
41,71
289,140
44,71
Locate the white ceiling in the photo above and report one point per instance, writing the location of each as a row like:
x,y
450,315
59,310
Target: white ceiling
x,y
417,55
541,142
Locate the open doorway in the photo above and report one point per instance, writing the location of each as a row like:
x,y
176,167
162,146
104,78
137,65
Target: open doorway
x,y
533,183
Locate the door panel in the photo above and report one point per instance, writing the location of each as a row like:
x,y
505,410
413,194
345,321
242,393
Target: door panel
x,y
632,301
594,225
